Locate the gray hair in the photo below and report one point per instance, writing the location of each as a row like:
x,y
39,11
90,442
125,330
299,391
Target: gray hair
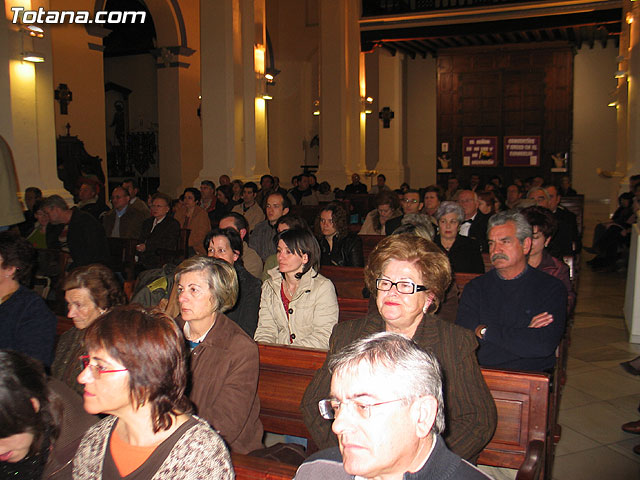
x,y
450,207
417,371
533,190
418,224
221,277
523,229
55,201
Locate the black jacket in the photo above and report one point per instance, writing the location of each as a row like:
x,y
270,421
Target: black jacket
x,y
245,311
346,252
566,241
166,235
478,230
464,255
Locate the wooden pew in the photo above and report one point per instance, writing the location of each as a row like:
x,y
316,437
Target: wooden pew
x,y
461,279
254,468
352,308
349,281
521,398
369,242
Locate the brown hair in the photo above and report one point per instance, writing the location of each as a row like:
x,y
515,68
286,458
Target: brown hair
x,y
104,289
151,347
430,261
338,216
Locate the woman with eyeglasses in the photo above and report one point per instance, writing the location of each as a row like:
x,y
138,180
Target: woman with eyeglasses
x,y
410,276
135,372
338,246
463,252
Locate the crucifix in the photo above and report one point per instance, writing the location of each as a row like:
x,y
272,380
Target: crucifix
x,y
64,96
386,115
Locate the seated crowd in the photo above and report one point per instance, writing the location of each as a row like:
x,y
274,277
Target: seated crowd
x,y
223,268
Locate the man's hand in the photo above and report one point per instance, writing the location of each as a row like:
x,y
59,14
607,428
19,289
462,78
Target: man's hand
x,y
541,320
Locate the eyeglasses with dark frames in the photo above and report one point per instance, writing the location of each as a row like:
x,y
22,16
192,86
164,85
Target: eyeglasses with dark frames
x,y
404,286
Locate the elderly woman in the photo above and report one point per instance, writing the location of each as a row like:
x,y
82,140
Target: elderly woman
x,y
89,291
298,305
190,215
135,372
41,421
463,252
226,244
410,275
387,207
224,360
338,246
544,226
27,323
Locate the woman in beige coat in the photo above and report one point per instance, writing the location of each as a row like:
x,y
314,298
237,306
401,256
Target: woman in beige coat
x,y
298,305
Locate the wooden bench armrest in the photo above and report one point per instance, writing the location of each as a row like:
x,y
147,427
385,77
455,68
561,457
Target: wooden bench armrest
x,y
533,462
254,468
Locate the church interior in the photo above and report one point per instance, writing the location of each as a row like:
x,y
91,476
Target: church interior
x,y
337,87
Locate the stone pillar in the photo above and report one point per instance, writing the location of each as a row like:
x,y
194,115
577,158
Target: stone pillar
x,y
633,101
234,120
341,153
27,118
390,93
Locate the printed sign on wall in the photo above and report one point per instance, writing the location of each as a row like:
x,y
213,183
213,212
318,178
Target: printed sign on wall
x,y
521,151
479,151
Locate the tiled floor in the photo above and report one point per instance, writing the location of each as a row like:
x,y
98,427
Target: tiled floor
x,y
599,396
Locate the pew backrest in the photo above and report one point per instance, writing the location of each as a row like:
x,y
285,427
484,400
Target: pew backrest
x,y
369,242
255,468
352,308
349,281
521,399
462,279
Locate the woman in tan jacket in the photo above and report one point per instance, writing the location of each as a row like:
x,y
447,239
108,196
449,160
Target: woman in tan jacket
x,y
298,306
190,215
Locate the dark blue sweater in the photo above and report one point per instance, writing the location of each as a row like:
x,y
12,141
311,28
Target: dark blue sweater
x,y
28,326
506,307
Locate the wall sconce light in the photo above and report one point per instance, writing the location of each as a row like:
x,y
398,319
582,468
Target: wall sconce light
x,y
270,74
266,96
620,74
33,57
34,31
613,103
367,103
316,107
629,18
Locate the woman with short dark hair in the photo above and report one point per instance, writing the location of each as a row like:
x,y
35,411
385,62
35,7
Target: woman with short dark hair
x,y
41,421
338,246
226,244
27,323
136,372
298,306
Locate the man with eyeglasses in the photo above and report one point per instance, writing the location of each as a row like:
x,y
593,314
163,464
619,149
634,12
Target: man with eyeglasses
x,y
386,403
159,231
411,205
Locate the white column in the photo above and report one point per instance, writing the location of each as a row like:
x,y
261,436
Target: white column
x,y
341,150
217,88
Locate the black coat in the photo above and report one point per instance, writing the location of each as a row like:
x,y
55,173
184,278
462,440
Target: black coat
x,y
478,230
245,311
346,252
464,255
166,235
566,241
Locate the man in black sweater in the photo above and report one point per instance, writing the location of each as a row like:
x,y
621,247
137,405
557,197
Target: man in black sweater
x,y
517,312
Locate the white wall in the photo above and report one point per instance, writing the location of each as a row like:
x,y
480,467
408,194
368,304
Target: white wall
x,y
594,123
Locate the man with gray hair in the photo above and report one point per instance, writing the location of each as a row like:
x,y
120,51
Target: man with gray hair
x,y
387,409
517,312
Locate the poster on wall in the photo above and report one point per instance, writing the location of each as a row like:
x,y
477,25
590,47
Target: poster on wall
x,y
522,151
479,151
